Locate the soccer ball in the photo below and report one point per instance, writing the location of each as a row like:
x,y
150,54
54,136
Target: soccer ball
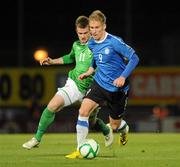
x,y
89,149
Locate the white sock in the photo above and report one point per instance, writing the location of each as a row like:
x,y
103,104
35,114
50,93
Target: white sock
x,y
122,126
82,129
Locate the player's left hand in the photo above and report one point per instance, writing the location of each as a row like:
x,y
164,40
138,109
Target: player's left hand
x,y
46,61
119,82
82,76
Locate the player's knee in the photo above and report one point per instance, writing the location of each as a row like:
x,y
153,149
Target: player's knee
x,y
53,108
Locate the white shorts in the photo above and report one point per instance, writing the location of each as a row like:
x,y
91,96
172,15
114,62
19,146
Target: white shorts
x,y
70,93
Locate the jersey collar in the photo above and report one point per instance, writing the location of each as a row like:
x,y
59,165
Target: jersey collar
x,y
106,34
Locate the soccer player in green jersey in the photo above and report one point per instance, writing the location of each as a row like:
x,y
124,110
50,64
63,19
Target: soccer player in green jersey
x,y
74,89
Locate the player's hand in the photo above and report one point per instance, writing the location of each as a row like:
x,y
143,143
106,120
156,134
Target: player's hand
x,y
82,76
119,82
46,61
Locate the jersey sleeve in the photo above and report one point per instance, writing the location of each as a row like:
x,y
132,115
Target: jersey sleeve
x,y
128,54
130,66
69,58
122,48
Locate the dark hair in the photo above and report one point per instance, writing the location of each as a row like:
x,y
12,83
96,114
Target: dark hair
x,y
82,22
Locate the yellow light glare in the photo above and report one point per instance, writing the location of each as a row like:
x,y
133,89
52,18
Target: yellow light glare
x,y
40,54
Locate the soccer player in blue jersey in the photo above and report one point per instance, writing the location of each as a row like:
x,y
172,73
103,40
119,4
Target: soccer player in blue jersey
x,y
113,62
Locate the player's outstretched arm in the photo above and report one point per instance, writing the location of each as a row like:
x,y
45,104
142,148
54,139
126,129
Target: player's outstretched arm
x,y
50,61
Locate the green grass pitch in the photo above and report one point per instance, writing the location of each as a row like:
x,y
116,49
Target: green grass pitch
x,y
142,150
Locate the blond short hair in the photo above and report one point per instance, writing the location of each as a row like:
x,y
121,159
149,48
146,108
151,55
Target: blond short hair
x,y
97,15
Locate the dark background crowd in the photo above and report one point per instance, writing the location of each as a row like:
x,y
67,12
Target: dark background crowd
x,y
151,27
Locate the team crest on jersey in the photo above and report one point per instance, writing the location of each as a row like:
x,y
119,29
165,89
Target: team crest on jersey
x,y
106,51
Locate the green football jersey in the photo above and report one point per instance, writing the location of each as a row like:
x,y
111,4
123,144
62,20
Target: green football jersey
x,y
82,57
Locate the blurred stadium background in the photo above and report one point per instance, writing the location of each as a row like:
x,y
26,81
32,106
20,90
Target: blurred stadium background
x,y
152,29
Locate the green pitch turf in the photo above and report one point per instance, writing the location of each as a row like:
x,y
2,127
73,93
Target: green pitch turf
x,y
142,150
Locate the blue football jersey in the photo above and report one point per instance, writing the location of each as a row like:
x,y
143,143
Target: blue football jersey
x,y
110,58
